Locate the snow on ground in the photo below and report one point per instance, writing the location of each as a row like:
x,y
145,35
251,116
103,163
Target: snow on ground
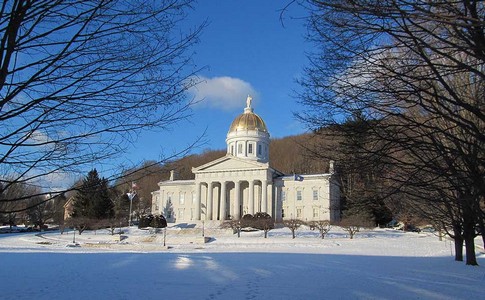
x,y
376,264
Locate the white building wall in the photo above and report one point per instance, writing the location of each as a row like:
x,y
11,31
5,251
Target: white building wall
x,y
174,200
297,197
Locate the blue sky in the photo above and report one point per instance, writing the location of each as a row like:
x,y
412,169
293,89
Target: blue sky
x,y
247,50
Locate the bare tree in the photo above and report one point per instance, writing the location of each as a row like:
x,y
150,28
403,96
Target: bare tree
x,y
79,80
10,211
263,221
81,223
235,225
41,211
293,225
323,227
416,69
354,223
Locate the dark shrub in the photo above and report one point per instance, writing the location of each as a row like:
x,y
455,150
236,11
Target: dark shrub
x,y
145,221
263,221
247,220
155,221
159,221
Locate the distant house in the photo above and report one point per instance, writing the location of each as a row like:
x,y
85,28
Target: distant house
x,y
242,182
68,208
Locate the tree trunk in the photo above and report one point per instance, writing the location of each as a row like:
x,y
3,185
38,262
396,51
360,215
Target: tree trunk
x,y
458,239
471,258
458,248
470,218
469,235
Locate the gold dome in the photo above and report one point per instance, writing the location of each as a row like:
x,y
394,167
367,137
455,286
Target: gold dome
x,y
248,121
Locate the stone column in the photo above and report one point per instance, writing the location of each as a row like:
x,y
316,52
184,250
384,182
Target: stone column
x,y
251,197
237,200
198,186
270,200
208,213
277,193
264,196
222,213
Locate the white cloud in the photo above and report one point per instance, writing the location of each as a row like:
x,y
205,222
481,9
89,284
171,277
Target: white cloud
x,y
226,93
38,137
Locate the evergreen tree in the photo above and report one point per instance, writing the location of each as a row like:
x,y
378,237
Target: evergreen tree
x,y
93,199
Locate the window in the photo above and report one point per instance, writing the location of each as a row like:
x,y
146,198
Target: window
x,y
315,212
250,148
181,214
239,148
283,213
260,149
298,196
182,198
169,199
315,194
298,212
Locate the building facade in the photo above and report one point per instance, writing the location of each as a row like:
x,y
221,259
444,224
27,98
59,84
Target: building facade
x,y
242,182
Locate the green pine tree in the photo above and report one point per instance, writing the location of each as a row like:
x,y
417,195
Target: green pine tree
x,y
93,199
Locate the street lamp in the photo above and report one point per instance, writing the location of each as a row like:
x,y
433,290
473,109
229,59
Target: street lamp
x,y
130,195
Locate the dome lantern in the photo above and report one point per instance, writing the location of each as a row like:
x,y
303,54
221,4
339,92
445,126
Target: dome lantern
x,y
248,136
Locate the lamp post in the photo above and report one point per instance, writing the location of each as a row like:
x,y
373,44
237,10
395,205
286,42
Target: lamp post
x,y
130,195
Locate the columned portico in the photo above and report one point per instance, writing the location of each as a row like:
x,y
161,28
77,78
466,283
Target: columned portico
x,y
248,196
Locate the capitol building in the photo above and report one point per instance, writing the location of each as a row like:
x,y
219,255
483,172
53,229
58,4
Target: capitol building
x,y
242,182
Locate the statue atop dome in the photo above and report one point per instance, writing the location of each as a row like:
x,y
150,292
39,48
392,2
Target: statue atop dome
x,y
248,101
248,108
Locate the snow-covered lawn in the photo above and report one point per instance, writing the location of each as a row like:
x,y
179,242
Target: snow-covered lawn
x,y
377,264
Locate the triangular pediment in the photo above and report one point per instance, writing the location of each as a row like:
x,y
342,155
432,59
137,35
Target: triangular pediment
x,y
230,163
